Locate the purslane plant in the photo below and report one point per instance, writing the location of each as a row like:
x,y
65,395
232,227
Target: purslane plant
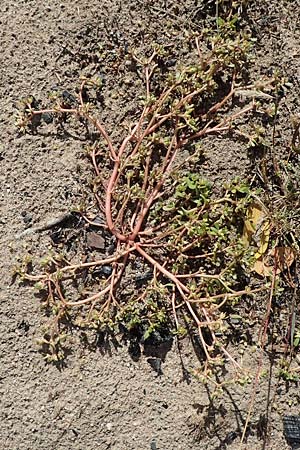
x,y
156,205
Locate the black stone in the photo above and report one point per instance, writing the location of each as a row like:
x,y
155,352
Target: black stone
x,y
291,427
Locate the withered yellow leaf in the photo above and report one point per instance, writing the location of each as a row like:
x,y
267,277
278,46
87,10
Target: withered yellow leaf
x,y
254,215
254,225
263,239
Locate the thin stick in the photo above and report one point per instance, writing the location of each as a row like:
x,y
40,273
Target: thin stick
x,y
263,342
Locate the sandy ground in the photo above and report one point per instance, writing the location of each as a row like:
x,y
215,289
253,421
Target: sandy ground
x,y
106,401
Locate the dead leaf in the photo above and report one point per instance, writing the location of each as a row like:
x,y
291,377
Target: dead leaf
x,y
255,215
262,269
257,228
281,257
263,239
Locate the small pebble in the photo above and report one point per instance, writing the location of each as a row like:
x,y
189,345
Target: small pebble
x,y
153,445
94,240
109,426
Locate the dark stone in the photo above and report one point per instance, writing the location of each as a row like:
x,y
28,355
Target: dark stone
x,y
155,363
291,427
